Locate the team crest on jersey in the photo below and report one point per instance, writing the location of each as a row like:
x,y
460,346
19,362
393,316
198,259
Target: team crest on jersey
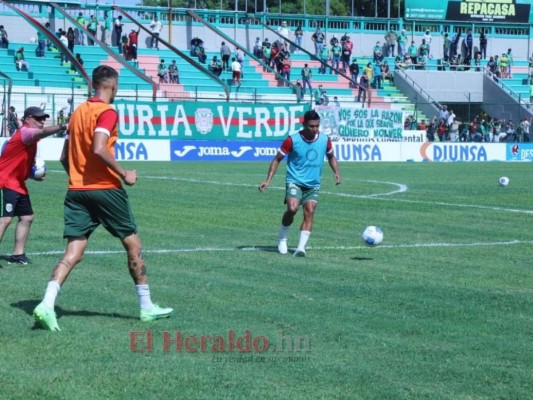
x,y
203,120
9,207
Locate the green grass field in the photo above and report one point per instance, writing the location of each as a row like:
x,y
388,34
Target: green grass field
x,y
443,309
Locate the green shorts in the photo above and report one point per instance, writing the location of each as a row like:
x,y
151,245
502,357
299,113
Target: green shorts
x,y
85,210
303,194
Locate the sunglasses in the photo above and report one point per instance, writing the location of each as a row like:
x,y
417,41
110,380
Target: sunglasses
x,y
40,119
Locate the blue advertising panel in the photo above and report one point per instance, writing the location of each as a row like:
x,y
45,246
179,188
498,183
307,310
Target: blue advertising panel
x,y
519,152
199,150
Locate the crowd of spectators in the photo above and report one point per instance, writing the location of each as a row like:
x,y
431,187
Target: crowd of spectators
x,y
447,127
335,53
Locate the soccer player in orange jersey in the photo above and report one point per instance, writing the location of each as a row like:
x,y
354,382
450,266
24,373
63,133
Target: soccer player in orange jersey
x,y
95,196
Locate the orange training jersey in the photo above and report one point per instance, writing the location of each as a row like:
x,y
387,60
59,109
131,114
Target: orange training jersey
x,y
86,169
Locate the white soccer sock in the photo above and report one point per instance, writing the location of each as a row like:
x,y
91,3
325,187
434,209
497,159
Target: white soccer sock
x,y
145,301
304,237
52,289
283,232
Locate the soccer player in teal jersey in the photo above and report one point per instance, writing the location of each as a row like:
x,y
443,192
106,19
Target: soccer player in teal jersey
x,y
305,153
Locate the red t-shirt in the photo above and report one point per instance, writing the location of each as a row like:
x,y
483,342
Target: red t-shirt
x,y
17,159
134,37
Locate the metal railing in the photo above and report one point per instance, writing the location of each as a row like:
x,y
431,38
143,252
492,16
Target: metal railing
x,y
502,84
231,17
425,95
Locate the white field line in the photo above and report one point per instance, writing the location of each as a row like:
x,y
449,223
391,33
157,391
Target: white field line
x,y
316,248
401,188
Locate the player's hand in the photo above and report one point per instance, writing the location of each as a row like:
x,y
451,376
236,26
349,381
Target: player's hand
x,y
338,179
263,186
130,177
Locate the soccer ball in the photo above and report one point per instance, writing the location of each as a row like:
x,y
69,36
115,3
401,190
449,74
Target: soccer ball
x,y
372,235
38,170
503,181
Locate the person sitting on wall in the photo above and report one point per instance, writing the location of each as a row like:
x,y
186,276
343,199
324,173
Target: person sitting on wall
x,y
162,72
20,61
195,42
216,66
402,62
386,72
200,53
173,73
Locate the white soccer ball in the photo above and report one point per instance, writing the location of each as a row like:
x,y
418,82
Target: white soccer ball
x,y
372,235
38,170
503,181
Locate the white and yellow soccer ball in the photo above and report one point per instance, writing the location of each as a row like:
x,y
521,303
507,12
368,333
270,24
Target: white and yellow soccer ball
x,y
38,170
372,235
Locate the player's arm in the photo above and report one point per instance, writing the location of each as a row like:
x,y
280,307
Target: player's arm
x,y
271,171
64,156
100,149
48,131
332,160
104,126
285,148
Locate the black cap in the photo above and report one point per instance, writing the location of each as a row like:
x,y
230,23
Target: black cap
x,y
35,112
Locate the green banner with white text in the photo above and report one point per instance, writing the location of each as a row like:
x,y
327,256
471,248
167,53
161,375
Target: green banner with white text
x,y
208,121
505,11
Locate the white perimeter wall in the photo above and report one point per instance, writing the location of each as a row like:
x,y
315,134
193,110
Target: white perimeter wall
x,y
160,150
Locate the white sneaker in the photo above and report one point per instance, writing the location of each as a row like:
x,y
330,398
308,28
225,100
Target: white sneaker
x,y
282,246
299,253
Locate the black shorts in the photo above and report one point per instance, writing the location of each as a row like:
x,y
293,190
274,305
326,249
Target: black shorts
x,y
15,204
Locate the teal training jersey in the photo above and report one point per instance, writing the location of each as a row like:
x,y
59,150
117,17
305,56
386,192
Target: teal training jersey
x,y
305,159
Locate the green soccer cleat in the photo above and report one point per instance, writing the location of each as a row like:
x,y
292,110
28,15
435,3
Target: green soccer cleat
x,y
46,317
154,313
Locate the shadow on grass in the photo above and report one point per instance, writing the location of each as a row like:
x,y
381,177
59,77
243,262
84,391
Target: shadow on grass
x,y
362,258
271,249
28,305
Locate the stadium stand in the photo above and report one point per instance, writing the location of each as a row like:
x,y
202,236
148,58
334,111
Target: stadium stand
x,y
258,85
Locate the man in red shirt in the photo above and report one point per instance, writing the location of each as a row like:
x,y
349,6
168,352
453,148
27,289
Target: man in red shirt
x,y
133,41
16,163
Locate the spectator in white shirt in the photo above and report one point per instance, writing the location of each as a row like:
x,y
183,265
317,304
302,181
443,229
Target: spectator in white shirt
x,y
451,118
427,37
155,27
236,68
